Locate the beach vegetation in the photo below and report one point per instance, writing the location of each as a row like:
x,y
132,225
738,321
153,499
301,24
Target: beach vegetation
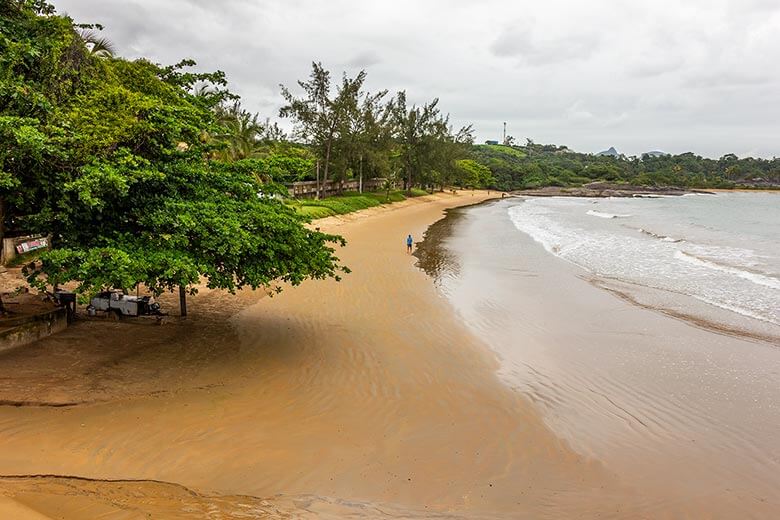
x,y
351,201
143,173
535,165
356,134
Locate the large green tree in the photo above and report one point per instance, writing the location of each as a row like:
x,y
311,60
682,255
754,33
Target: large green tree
x,y
321,115
117,159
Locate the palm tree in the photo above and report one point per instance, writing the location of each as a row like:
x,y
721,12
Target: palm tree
x,y
242,135
97,45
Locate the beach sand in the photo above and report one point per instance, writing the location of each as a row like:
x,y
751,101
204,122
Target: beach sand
x,y
388,395
365,397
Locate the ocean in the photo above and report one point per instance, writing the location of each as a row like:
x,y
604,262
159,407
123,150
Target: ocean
x,y
646,330
723,249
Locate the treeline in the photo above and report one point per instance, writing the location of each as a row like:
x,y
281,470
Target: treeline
x,y
342,131
536,165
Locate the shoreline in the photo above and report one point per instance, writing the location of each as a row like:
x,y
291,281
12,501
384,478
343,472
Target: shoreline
x,y
606,190
352,394
631,386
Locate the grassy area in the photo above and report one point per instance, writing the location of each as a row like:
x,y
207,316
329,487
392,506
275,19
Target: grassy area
x,y
500,148
349,202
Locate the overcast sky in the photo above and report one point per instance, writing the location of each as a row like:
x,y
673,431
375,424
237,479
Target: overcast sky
x,y
671,75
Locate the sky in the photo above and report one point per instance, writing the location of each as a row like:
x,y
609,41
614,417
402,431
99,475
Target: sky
x,y
669,75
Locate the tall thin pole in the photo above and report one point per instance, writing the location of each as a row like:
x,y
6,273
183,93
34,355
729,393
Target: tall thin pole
x,y
504,141
182,301
361,174
318,179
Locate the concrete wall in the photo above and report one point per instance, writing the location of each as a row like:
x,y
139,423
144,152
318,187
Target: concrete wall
x,y
27,329
9,253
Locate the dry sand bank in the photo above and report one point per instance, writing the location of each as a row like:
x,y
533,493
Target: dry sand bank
x,y
341,397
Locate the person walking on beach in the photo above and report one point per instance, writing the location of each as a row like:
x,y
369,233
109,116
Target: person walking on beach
x,y
409,242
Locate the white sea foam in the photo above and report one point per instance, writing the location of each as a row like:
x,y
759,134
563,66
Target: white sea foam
x,y
760,279
660,237
601,214
734,308
717,272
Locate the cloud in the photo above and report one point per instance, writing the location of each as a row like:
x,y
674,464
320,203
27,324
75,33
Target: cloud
x,y
364,60
520,41
695,75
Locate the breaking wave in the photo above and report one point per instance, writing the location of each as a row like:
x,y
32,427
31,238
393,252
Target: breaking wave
x,y
601,214
723,275
660,237
756,278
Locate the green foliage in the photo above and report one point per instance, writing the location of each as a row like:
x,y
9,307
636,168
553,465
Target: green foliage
x,y
121,162
535,165
474,174
350,201
354,133
506,150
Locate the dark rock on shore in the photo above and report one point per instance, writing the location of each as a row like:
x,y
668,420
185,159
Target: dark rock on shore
x,y
605,189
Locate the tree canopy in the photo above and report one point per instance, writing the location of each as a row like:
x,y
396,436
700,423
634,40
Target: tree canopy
x,y
127,165
349,130
536,165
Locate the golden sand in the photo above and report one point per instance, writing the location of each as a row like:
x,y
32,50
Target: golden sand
x,y
364,397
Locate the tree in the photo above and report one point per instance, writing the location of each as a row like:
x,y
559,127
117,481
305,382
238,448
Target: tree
x,y
367,137
242,132
474,175
98,46
415,130
321,118
115,159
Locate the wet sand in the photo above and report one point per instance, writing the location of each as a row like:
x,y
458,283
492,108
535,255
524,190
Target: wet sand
x,y
685,414
369,397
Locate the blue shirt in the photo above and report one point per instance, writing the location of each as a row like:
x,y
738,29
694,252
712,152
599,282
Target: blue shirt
x,y
409,240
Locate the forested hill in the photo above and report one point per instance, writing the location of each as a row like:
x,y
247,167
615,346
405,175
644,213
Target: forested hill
x,y
536,165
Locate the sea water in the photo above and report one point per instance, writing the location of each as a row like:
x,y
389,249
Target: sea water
x,y
648,395
722,249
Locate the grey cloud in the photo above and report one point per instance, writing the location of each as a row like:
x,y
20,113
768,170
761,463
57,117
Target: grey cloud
x,y
364,60
727,79
637,75
648,65
521,43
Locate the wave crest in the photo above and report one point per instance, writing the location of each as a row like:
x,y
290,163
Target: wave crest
x,y
759,279
601,214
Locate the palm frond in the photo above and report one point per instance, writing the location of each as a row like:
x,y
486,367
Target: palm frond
x,y
97,45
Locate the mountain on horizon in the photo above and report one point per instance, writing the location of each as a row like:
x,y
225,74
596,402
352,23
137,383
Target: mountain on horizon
x,y
655,153
611,152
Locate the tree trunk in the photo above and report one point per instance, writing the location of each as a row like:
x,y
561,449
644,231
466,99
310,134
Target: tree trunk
x,y
360,169
182,301
317,196
2,236
327,164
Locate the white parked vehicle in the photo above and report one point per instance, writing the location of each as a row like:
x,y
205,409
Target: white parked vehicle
x,y
121,304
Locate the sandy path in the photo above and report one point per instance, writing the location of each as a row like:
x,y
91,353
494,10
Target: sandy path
x,y
346,395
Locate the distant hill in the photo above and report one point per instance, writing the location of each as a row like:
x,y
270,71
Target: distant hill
x,y
534,166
